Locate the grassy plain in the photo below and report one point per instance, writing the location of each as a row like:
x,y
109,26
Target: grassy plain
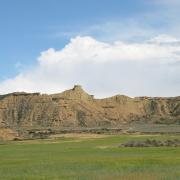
x,y
89,157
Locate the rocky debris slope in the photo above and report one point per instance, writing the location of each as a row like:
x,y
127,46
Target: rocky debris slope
x,y
7,134
76,108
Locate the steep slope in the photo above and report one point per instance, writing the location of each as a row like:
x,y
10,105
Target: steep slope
x,y
76,108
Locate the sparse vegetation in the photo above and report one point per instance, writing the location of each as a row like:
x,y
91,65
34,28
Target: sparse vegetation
x,y
152,143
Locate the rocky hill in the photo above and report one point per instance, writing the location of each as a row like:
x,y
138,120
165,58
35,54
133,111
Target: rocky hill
x,y
74,108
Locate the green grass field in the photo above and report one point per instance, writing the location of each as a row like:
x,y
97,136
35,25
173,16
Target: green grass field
x,y
88,158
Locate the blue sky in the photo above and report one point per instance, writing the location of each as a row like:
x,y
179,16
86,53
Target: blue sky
x,y
27,28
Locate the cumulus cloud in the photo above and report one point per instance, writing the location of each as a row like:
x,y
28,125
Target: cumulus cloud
x,y
148,68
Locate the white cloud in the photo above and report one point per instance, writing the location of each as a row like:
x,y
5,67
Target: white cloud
x,y
149,68
87,49
109,31
164,38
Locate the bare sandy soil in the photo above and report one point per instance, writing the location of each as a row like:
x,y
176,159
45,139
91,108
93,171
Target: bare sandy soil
x,y
78,135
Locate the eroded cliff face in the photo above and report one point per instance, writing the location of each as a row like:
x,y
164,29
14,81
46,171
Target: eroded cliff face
x,y
76,108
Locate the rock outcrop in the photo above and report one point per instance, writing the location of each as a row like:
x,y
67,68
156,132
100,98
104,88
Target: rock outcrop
x,y
76,108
